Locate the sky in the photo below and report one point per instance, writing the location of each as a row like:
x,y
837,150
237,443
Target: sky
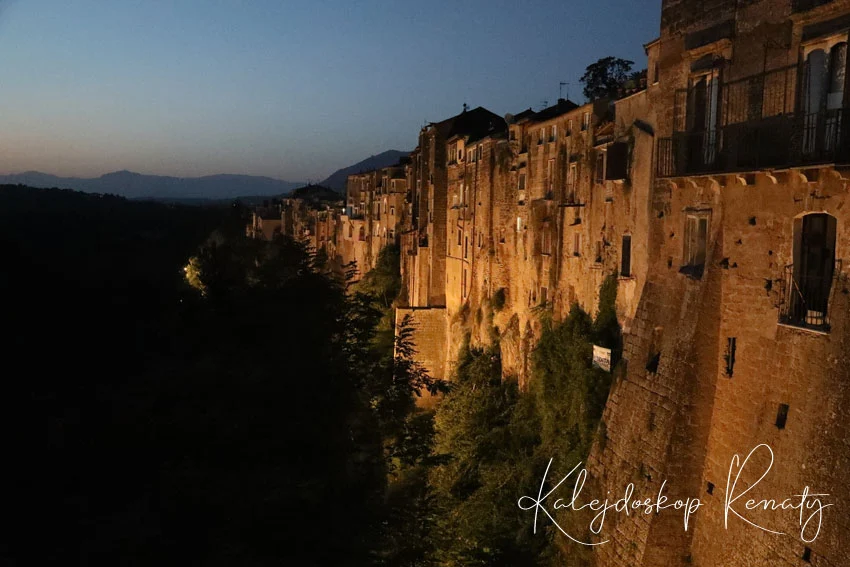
x,y
288,89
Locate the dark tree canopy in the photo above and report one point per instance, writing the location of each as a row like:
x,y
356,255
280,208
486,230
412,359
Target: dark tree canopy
x,y
605,77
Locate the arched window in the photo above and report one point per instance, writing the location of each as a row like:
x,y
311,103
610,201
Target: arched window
x,y
808,282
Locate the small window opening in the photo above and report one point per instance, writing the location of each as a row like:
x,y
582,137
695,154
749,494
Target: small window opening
x,y
731,344
782,416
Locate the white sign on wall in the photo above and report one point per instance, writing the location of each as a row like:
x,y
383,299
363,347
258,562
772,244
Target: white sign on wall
x,y
602,358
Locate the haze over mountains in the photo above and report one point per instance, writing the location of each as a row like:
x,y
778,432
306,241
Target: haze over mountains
x,y
136,185
139,186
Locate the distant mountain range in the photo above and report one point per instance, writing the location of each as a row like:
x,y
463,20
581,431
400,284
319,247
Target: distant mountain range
x,y
136,185
193,189
337,180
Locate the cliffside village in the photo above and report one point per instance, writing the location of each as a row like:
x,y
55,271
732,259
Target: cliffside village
x,y
717,196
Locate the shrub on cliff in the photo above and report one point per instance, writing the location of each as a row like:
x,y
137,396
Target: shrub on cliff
x,y
484,438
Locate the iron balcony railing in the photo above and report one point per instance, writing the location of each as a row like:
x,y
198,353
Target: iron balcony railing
x,y
805,299
773,142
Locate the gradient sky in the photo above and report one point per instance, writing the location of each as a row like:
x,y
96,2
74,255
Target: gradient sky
x,y
285,88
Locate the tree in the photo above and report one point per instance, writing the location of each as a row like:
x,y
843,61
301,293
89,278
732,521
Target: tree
x,y
604,78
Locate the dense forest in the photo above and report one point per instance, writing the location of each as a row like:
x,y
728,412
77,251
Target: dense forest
x,y
215,400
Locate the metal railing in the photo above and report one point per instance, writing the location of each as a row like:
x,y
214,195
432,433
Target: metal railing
x,y
805,299
776,141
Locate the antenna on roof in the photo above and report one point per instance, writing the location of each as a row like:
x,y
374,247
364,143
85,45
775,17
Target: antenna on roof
x,y
561,86
545,104
465,107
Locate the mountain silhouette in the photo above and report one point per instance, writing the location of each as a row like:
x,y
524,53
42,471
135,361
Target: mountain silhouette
x,y
337,179
138,186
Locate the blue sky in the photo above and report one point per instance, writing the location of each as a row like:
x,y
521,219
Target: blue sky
x,y
286,88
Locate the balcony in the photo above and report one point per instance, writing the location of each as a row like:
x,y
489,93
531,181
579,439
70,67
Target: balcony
x,y
787,140
805,299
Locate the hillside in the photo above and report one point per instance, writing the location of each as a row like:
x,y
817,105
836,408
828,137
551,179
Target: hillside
x,y
136,185
337,179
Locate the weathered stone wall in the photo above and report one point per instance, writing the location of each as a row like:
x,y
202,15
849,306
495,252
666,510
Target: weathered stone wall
x,y
684,419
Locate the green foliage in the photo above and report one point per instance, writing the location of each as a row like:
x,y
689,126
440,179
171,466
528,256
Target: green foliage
x,y
485,435
384,280
493,442
382,284
605,77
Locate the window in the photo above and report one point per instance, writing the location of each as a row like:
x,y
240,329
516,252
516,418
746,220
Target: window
x,y
577,244
807,554
598,256
572,177
521,192
550,178
617,161
696,236
710,488
809,280
782,416
703,116
731,344
569,131
585,121
392,211
600,167
544,295
546,241
554,135
459,236
519,224
541,136
823,93
464,282
466,247
479,151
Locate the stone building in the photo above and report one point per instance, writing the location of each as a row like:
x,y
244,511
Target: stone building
x,y
266,221
741,332
374,215
717,196
430,230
